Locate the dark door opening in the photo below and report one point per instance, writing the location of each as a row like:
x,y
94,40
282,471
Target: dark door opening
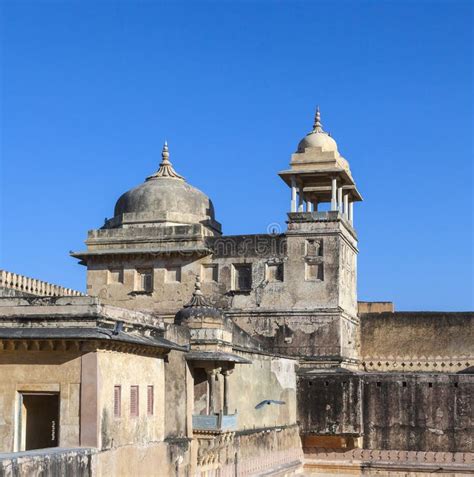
x,y
39,420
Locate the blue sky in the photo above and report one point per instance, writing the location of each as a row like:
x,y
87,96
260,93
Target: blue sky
x,y
90,90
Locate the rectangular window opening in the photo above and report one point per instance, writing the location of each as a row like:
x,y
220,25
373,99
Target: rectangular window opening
x,y
274,272
115,275
173,274
209,273
314,271
243,277
145,280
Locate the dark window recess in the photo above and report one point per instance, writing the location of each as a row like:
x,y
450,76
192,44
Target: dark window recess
x,y
430,385
150,404
455,385
379,384
243,277
404,384
145,281
134,411
117,401
326,383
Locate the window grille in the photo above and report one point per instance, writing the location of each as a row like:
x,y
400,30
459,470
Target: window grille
x,y
150,400
117,401
134,411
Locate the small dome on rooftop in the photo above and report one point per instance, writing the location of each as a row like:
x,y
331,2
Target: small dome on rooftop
x,y
317,137
198,309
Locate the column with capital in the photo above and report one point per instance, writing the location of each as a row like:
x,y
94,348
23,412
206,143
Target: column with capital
x,y
226,373
214,401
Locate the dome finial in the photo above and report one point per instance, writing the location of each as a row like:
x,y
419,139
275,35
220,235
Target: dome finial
x,y
198,298
166,168
317,126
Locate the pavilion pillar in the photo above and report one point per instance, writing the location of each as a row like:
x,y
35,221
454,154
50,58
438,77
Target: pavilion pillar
x,y
214,401
226,373
351,213
293,194
339,199
346,206
300,199
333,194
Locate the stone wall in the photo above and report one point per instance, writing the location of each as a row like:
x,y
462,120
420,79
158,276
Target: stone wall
x,y
412,412
48,463
317,266
417,341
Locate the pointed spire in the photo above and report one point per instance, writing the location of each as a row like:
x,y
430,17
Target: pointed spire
x,y
317,126
198,298
166,168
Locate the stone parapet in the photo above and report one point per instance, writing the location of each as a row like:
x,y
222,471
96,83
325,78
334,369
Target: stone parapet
x,y
32,286
319,461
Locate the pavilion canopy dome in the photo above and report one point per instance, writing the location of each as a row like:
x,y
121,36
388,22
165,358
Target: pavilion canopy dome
x,y
317,137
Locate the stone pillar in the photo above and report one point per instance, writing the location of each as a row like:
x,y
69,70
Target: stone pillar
x,y
214,401
226,374
300,199
339,199
293,194
346,205
308,205
351,213
333,194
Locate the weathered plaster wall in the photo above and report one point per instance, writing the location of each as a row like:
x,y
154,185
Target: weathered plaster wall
x,y
326,334
126,370
417,341
330,404
432,412
267,378
53,371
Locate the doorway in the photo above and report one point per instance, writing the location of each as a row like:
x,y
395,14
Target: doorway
x,y
39,420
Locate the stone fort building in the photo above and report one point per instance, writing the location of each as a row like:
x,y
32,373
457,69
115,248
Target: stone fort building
x,y
200,354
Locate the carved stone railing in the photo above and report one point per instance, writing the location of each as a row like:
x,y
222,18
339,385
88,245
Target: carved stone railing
x,y
413,458
32,286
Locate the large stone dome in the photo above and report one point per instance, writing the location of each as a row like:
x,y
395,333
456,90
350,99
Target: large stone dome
x,y
173,200
164,197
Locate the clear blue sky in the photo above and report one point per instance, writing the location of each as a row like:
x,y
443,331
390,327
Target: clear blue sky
x,y
90,90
